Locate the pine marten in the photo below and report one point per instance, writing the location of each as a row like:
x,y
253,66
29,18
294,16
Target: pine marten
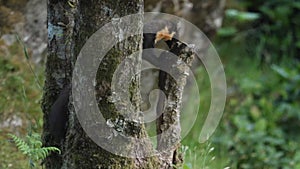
x,y
58,116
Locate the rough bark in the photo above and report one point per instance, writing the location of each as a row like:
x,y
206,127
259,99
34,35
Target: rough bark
x,y
172,84
207,15
70,24
58,70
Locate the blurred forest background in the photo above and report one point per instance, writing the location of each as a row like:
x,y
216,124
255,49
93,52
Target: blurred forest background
x,y
259,45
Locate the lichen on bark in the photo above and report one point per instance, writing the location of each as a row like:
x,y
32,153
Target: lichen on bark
x,y
71,23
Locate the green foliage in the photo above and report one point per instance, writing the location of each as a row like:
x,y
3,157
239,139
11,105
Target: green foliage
x,y
272,33
236,19
32,148
262,117
200,156
278,34
241,16
19,101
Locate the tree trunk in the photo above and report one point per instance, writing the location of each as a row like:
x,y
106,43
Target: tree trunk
x,y
70,24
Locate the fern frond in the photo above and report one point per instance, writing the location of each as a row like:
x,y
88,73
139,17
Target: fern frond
x,y
33,147
21,144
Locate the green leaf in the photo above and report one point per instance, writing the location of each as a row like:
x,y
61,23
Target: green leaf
x,y
241,16
261,125
248,16
281,71
33,147
227,31
231,13
24,48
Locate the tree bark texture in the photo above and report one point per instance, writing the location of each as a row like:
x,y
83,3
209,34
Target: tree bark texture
x,y
172,83
70,24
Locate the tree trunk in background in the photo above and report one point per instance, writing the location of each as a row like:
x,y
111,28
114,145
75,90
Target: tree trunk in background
x,y
70,24
207,15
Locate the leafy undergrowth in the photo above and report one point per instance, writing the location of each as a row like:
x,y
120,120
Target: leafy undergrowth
x,y
20,110
261,118
260,125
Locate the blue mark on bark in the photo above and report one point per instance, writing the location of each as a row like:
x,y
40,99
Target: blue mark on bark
x,y
53,30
